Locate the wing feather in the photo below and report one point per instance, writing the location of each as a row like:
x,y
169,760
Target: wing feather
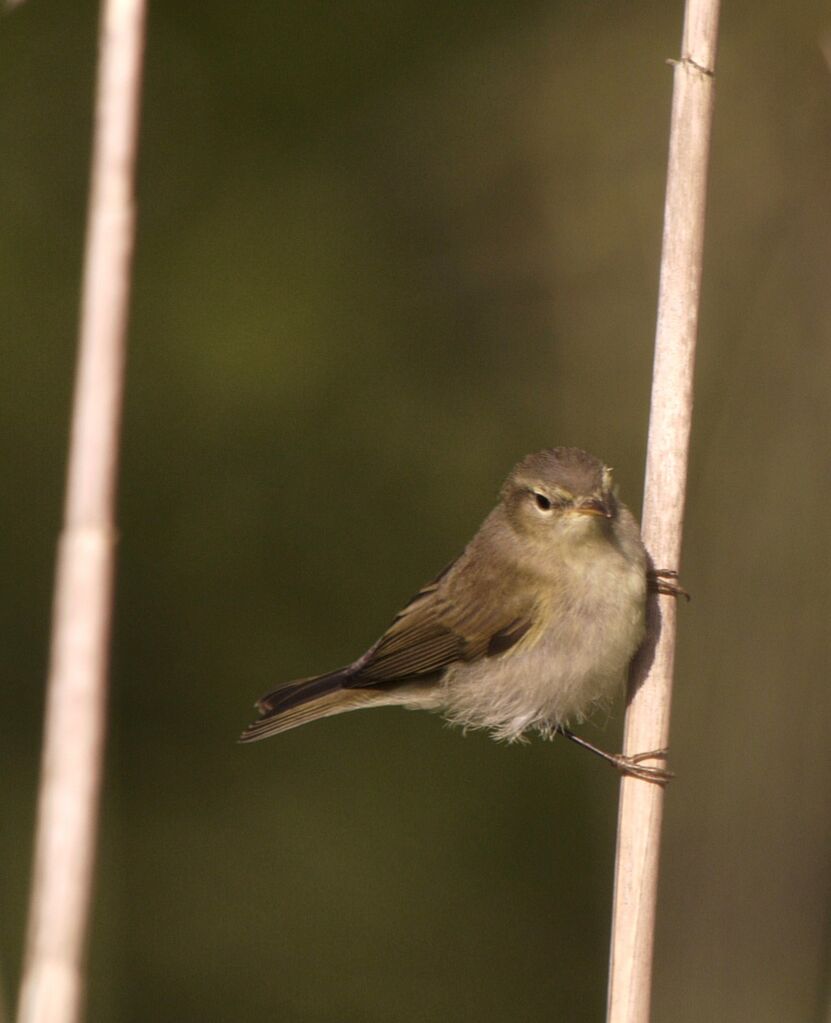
x,y
453,618
472,609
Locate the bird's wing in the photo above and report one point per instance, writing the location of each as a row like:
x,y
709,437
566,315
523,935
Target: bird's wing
x,y
447,621
467,612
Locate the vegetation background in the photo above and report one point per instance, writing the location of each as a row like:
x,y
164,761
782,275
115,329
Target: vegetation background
x,y
385,250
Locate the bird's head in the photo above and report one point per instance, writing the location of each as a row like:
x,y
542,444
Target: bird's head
x,y
560,492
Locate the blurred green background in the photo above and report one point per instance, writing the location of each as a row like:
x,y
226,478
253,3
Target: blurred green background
x,y
385,250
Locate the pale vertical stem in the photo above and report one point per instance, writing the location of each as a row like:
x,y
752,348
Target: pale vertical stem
x,y
647,718
52,984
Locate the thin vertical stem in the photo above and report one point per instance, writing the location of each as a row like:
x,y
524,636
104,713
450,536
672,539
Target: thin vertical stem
x,y
52,985
647,719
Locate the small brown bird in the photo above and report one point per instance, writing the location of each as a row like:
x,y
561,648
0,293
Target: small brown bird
x,y
532,627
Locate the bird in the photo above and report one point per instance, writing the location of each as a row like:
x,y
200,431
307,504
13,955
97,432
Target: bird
x,y
529,630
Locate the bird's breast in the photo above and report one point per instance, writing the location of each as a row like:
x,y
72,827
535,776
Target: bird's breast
x,y
591,621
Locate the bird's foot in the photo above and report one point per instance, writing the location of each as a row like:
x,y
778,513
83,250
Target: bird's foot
x,y
632,765
664,580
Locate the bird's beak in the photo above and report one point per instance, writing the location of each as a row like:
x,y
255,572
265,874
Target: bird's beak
x,y
594,506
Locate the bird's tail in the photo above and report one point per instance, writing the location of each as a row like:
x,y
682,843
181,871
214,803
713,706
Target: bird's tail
x,y
307,699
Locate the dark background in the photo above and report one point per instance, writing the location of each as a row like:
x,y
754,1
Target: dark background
x,y
384,251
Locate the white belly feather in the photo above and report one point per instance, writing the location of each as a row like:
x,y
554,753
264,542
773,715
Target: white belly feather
x,y
575,664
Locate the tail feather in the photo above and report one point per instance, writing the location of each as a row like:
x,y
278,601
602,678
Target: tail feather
x,y
301,690
304,700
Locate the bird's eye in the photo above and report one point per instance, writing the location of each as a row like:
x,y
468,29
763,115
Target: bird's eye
x,y
543,503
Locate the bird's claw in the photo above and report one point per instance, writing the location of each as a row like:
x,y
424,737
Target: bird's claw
x,y
633,765
664,580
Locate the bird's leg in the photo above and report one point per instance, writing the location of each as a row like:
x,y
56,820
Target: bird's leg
x,y
664,580
627,764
